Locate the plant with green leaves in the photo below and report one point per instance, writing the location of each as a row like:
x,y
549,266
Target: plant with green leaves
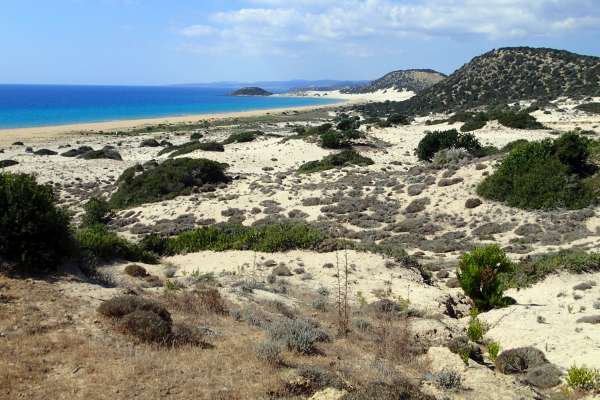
x,y
584,379
482,273
493,350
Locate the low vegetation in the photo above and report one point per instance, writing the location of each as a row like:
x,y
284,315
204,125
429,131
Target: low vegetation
x,y
270,238
101,243
592,108
583,379
190,147
338,160
440,140
96,211
34,231
481,274
167,180
243,137
542,175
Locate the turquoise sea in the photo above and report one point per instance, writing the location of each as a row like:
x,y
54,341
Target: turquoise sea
x,y
45,105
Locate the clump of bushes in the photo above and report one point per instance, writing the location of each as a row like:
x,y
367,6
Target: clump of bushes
x,y
518,120
190,147
282,236
593,108
243,137
482,273
170,179
297,334
474,122
338,160
439,140
96,211
333,140
101,243
34,231
543,175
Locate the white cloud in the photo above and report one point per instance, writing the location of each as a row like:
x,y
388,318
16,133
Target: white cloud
x,y
295,27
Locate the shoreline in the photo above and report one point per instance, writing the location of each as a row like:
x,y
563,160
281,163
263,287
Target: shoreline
x,y
40,133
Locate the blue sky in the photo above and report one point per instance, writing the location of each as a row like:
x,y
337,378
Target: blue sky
x,y
181,41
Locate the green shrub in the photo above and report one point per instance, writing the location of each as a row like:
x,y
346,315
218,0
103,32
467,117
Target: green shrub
x,y
347,123
101,243
346,157
543,175
477,121
480,274
593,108
169,179
196,136
493,350
476,328
518,120
512,145
439,140
398,119
584,379
96,211
333,140
190,147
281,236
243,137
34,232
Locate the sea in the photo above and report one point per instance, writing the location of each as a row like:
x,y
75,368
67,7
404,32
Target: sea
x,y
47,105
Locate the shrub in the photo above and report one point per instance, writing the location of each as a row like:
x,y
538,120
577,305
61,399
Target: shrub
x,y
344,158
269,352
280,236
476,328
477,121
119,306
333,140
169,179
593,108
518,120
543,175
196,136
242,137
136,271
480,274
99,242
211,301
439,140
34,232
320,304
297,335
447,379
511,145
146,326
584,379
493,350
96,211
191,147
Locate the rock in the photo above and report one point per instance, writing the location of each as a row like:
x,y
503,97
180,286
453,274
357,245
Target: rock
x,y
472,203
76,152
28,149
453,283
519,360
591,319
18,144
583,286
45,152
489,229
480,167
544,376
282,270
106,152
299,270
442,274
329,394
7,163
461,345
270,263
415,190
328,265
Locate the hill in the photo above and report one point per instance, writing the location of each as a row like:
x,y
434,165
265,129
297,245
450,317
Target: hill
x,y
251,91
503,76
414,80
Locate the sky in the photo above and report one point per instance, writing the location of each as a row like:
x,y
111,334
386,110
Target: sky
x,y
149,42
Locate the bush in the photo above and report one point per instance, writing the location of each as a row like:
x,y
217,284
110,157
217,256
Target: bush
x,y
136,271
543,175
170,179
146,326
34,232
344,158
476,328
593,108
96,211
120,306
518,120
269,352
493,350
333,140
242,137
297,335
584,379
475,122
190,147
480,274
281,236
512,145
439,140
101,243
447,379
211,301
196,136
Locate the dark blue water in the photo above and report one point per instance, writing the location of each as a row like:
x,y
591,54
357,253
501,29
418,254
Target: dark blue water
x,y
43,105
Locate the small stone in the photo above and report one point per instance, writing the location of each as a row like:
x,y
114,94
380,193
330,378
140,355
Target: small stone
x,y
472,203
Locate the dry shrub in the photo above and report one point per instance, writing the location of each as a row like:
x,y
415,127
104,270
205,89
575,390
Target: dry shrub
x,y
400,389
392,341
182,335
146,326
201,301
120,306
211,301
136,271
